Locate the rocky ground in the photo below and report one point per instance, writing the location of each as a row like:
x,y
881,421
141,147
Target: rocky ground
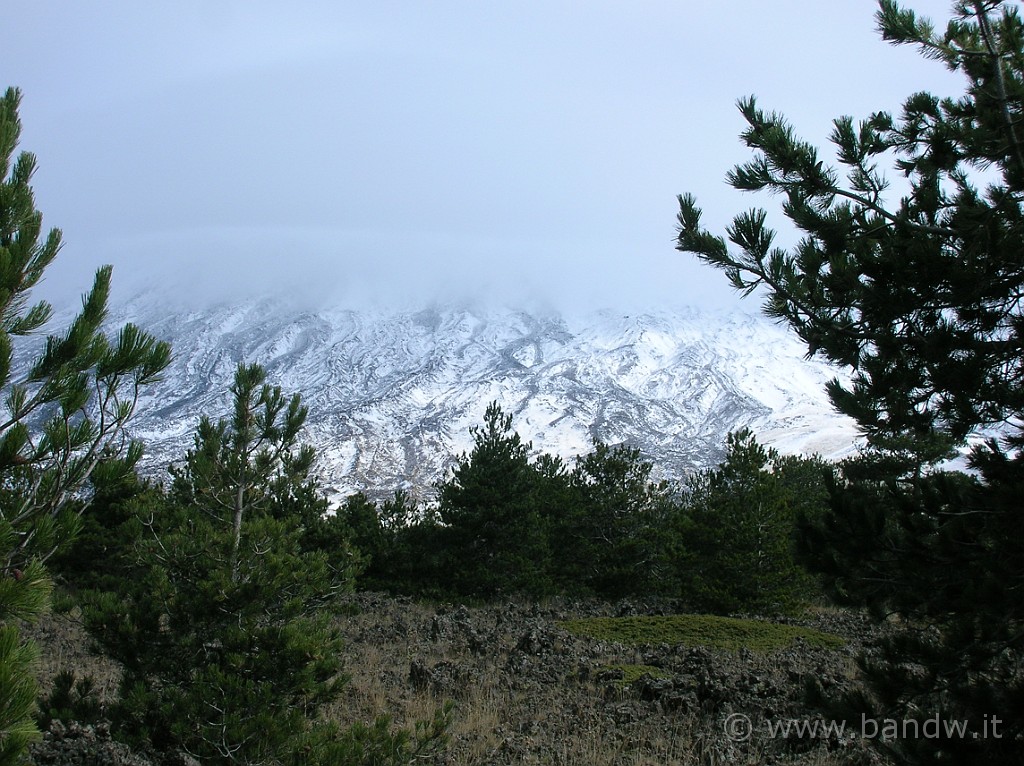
x,y
526,691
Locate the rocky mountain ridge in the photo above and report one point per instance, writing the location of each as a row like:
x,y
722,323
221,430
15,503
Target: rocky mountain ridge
x,y
392,394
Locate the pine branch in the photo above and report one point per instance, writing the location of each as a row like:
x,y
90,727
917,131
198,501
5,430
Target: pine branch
x,y
1004,100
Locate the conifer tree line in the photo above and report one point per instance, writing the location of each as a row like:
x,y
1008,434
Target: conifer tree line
x,y
506,523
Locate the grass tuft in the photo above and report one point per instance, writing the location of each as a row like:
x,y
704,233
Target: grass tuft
x,y
727,633
633,673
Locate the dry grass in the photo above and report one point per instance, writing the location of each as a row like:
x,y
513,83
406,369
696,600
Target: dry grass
x,y
64,645
512,704
531,713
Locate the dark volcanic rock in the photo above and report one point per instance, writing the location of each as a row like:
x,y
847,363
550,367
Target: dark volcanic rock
x,y
74,744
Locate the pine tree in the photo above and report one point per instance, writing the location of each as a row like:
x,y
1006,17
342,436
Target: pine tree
x,y
235,466
610,533
737,530
496,537
918,293
222,626
63,412
100,555
387,537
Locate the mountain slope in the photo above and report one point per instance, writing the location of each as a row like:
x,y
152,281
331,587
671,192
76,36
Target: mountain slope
x,y
392,395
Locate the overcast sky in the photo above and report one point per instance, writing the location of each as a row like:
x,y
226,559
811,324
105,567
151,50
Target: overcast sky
x,y
407,150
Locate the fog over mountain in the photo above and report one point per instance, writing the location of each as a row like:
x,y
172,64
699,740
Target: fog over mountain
x,y
395,148
392,394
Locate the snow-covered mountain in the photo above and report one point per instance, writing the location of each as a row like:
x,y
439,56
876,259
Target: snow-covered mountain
x,y
392,395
